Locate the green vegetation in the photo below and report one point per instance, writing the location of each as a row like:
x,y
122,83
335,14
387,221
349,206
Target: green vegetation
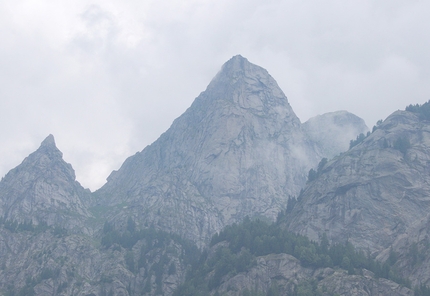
x,y
402,144
423,110
421,290
245,241
312,175
308,288
377,126
292,201
154,238
14,226
155,245
31,282
247,292
129,261
99,211
360,138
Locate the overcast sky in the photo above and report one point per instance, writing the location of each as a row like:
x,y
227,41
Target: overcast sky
x,y
106,78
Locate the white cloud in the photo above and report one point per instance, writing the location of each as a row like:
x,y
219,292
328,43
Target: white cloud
x,y
108,77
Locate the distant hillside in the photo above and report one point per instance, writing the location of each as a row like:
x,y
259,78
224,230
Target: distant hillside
x,y
376,195
255,258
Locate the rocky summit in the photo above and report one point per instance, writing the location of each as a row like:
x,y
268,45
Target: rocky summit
x,y
43,189
238,151
376,195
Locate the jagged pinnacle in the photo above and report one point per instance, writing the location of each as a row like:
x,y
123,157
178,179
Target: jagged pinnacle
x,y
236,65
237,61
48,142
48,147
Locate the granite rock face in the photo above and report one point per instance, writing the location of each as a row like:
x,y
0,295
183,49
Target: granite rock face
x,y
51,240
43,188
238,151
376,195
285,273
46,263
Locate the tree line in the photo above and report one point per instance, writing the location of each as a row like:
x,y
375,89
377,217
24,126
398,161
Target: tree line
x,y
252,238
423,110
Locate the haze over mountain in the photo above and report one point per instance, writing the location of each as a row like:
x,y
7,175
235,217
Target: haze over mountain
x,y
108,77
333,131
376,195
238,151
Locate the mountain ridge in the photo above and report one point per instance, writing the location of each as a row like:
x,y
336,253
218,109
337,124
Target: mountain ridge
x,y
42,185
238,150
375,195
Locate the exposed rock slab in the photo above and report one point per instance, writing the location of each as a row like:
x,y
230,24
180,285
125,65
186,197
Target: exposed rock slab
x,y
238,151
43,188
285,273
51,264
376,195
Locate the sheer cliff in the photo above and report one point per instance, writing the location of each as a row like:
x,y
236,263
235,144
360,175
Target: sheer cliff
x,y
238,151
43,189
376,195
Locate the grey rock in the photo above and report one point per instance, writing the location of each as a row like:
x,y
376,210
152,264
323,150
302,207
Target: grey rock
x,y
286,274
76,265
43,188
376,195
238,151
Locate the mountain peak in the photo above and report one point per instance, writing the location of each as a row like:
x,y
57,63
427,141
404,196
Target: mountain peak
x,y
248,88
48,142
238,66
48,147
237,61
223,150
43,188
239,57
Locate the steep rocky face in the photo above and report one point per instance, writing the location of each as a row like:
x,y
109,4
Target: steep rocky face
x,y
284,274
413,251
377,194
43,189
332,132
45,262
238,150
